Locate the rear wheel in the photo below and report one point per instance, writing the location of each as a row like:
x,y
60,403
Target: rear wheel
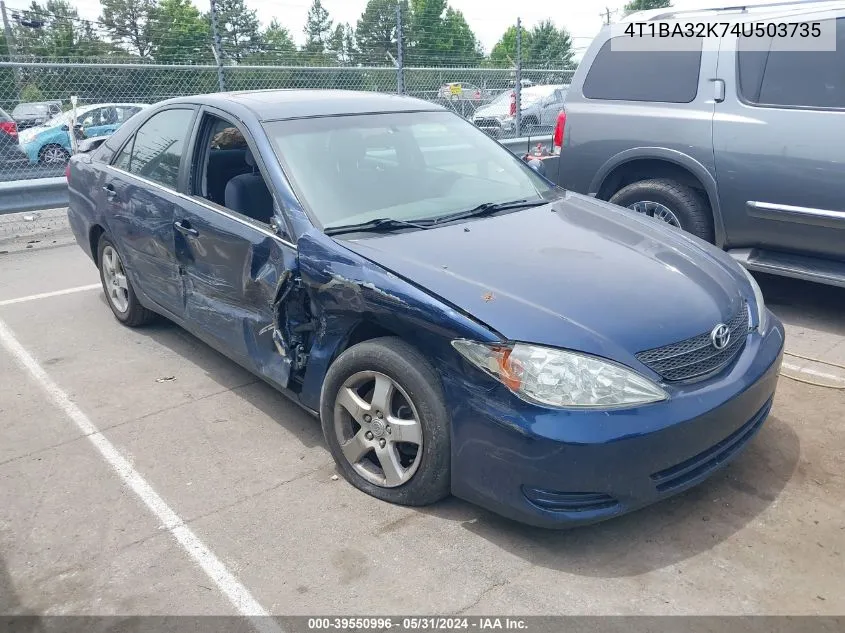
x,y
119,292
386,424
54,155
671,202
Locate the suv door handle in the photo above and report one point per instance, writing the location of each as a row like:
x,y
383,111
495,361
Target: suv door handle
x,y
185,229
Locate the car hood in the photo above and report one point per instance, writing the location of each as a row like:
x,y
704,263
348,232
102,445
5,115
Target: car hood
x,y
576,273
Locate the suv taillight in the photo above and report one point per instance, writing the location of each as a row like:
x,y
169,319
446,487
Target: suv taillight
x,y
9,127
560,130
67,171
513,104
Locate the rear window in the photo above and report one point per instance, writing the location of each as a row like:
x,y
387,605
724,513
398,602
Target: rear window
x,y
793,78
661,76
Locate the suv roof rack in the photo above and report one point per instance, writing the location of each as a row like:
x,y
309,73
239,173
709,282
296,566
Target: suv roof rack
x,y
660,14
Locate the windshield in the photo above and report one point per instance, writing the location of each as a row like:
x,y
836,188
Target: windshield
x,y
403,166
29,109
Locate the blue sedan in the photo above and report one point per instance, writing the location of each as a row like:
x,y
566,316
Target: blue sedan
x,y
457,323
49,144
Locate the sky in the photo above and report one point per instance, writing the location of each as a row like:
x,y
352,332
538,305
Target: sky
x,y
487,18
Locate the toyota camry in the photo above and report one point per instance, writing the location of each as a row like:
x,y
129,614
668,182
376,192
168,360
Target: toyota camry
x,y
457,323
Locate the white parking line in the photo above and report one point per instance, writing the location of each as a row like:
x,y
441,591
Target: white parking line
x,y
228,584
812,372
46,295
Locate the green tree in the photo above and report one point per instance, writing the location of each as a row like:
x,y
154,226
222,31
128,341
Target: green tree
x,y
318,29
375,35
180,33
277,45
54,30
503,54
239,29
439,34
644,5
548,47
129,22
341,43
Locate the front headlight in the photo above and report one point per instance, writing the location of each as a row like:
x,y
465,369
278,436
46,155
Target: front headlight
x,y
558,378
762,314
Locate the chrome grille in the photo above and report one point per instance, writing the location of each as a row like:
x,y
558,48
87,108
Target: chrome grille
x,y
696,356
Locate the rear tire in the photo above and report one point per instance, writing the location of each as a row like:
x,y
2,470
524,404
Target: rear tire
x,y
53,155
684,203
421,470
120,295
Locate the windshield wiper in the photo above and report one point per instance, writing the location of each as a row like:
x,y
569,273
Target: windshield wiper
x,y
490,207
379,224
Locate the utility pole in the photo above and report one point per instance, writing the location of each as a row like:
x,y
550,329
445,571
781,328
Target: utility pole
x,y
518,91
216,47
400,51
10,42
606,15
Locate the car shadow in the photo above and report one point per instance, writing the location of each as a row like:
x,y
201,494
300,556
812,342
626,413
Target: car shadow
x,y
264,397
660,535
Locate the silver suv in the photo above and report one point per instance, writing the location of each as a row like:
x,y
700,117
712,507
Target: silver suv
x,y
742,145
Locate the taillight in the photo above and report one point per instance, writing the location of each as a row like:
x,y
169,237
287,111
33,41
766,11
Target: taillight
x,y
513,104
560,130
67,172
9,127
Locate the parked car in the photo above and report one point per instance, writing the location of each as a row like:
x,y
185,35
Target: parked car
x,y
10,152
734,145
461,91
28,115
457,323
540,106
50,144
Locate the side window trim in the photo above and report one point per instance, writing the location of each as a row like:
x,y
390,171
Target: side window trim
x,y
198,138
131,141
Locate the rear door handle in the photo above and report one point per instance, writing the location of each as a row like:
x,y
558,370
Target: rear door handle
x,y
110,192
185,229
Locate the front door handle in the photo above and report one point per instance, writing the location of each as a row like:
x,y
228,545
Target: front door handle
x,y
110,192
185,229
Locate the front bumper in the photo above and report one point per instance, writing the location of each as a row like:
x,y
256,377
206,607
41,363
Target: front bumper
x,y
557,469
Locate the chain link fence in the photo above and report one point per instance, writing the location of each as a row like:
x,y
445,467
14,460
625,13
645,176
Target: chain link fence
x,y
40,128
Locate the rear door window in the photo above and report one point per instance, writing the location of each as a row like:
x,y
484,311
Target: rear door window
x,y
660,76
782,77
155,151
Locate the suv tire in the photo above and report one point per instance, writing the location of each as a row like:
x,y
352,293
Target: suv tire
x,y
685,203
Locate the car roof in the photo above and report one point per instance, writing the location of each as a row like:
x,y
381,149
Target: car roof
x,y
762,10
269,105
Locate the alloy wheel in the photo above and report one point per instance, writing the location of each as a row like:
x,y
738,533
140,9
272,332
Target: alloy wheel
x,y
378,429
114,280
657,211
54,156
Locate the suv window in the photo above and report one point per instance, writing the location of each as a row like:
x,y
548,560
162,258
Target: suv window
x,y
155,151
794,78
662,76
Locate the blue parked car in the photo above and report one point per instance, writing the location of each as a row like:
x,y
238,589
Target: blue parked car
x,y
456,322
49,144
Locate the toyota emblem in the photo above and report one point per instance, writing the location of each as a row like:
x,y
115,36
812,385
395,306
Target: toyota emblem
x,y
720,336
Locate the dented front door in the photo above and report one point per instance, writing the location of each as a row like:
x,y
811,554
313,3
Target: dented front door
x,y
231,271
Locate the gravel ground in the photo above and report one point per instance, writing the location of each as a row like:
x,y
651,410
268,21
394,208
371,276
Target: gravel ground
x,y
35,229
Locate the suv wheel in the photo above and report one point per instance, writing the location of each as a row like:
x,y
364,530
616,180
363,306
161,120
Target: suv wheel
x,y
671,202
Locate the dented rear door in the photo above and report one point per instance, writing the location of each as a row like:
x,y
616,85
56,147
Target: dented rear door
x,y
232,269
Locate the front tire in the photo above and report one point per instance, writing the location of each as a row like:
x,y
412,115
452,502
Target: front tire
x,y
386,424
117,287
671,202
